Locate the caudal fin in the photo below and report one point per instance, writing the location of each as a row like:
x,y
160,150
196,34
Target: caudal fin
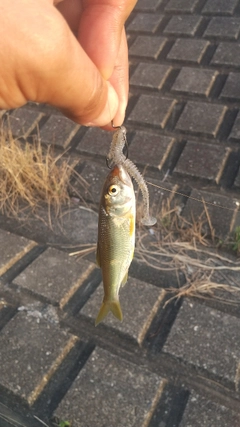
x,y
113,306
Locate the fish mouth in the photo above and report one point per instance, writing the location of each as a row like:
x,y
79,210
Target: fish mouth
x,y
119,172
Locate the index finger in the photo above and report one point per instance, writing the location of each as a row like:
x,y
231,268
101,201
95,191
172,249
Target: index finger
x,y
100,31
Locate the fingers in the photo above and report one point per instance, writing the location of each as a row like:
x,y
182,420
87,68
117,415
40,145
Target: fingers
x,y
120,80
101,34
75,85
106,44
100,31
71,10
44,62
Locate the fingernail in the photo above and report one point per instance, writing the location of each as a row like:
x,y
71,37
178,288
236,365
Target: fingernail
x,y
120,115
109,110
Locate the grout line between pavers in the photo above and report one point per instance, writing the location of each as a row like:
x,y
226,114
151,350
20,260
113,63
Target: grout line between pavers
x,y
150,318
237,378
234,217
17,257
225,158
154,403
70,137
34,124
39,388
167,152
75,287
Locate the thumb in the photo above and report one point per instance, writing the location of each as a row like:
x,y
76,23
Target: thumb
x,y
44,62
74,84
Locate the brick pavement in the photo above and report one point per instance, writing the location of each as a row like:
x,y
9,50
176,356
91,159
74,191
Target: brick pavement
x,y
166,365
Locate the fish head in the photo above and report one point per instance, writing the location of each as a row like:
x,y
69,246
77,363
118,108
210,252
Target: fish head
x,y
118,196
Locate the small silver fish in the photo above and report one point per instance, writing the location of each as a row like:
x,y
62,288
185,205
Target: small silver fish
x,y
116,238
116,157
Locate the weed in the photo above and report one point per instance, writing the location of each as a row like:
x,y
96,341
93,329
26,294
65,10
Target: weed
x,y
236,243
64,424
31,175
56,422
181,245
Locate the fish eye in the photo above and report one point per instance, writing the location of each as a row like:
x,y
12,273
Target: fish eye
x,y
113,190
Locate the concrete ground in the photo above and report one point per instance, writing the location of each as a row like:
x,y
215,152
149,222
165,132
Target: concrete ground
x,y
174,365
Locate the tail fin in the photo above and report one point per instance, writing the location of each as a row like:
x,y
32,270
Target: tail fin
x,y
113,306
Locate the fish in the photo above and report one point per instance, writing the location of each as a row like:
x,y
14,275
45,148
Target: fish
x,y
116,156
116,238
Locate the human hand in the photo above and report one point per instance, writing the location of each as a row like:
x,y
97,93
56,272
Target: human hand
x,y
41,60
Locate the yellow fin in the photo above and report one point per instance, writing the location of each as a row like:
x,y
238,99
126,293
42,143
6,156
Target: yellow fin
x,y
124,280
113,306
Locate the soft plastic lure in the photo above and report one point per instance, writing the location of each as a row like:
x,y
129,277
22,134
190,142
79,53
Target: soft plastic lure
x,y
116,157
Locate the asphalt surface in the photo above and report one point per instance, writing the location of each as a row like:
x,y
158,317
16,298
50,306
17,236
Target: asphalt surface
x,y
165,365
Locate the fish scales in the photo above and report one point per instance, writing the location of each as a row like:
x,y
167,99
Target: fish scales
x,y
116,237
115,247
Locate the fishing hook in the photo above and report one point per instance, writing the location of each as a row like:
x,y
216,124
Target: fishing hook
x,y
125,145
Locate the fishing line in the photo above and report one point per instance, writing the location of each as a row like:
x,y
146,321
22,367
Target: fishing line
x,y
237,203
196,199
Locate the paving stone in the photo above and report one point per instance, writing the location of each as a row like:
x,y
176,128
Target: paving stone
x,y
152,149
197,335
55,276
152,110
227,28
95,176
231,89
145,22
151,76
181,6
201,118
220,209
202,160
235,133
186,25
95,141
188,50
195,81
111,391
31,350
147,5
201,412
58,130
22,121
164,194
237,180
12,249
74,227
126,395
8,306
147,46
139,302
227,54
231,293
220,7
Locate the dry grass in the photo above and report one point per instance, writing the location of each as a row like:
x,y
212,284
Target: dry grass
x,y
182,246
176,244
14,421
32,176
